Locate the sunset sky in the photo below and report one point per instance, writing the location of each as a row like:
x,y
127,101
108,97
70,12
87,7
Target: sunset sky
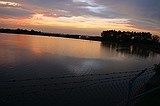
x,y
81,16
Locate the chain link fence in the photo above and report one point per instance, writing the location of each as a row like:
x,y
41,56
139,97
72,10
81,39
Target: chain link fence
x,y
110,89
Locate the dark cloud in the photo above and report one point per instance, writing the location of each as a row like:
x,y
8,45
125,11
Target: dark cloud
x,y
13,9
15,12
72,8
145,24
145,10
133,9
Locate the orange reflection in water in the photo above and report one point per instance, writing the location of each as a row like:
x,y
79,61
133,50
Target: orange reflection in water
x,y
38,45
24,47
41,45
65,47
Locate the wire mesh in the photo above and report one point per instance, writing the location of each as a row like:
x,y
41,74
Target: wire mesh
x,y
88,89
136,83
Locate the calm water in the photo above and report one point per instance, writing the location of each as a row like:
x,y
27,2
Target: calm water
x,y
29,57
41,56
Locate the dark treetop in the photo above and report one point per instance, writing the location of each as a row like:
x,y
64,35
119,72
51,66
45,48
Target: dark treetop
x,y
140,38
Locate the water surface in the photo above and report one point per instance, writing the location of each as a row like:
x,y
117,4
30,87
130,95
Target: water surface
x,y
40,55
29,57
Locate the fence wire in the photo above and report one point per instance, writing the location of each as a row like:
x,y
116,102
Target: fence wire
x,y
136,83
89,89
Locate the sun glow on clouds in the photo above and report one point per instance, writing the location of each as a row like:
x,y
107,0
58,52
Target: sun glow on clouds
x,y
77,22
9,3
38,15
84,22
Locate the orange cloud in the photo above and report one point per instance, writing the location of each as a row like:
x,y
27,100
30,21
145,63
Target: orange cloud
x,y
75,22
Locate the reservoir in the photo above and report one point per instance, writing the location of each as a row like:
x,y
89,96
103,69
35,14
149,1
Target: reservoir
x,y
35,57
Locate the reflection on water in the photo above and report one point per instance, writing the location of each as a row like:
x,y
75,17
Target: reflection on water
x,y
32,57
129,49
75,56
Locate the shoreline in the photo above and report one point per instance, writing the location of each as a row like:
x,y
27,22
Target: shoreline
x,y
83,37
93,38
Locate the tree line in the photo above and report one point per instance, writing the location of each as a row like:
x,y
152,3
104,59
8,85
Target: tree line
x,y
130,37
33,32
145,38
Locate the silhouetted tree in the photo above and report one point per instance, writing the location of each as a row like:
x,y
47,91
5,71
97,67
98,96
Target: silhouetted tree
x,y
130,37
